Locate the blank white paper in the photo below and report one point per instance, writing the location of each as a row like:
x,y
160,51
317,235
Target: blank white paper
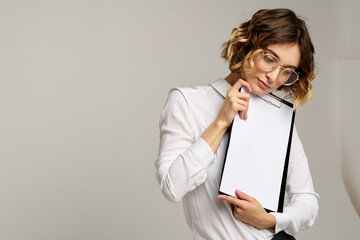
x,y
257,151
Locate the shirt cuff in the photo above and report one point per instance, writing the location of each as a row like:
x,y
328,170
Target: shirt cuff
x,y
282,221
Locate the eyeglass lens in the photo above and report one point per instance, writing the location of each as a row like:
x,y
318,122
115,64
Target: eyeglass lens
x,y
269,62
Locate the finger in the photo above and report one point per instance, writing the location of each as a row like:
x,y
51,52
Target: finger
x,y
242,104
237,85
230,199
241,83
237,212
242,99
242,115
246,85
242,109
243,196
243,95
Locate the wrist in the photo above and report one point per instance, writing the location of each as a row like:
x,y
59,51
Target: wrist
x,y
214,133
221,125
269,222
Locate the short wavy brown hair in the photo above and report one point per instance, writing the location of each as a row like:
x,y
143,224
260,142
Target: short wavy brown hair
x,y
271,26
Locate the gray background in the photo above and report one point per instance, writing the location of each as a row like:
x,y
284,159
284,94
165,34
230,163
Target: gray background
x,y
82,87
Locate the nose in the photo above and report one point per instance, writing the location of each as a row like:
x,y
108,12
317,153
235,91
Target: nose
x,y
273,75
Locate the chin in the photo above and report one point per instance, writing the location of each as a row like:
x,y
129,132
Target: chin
x,y
257,89
259,92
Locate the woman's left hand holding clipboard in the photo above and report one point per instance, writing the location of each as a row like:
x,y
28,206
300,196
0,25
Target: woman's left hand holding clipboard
x,y
248,210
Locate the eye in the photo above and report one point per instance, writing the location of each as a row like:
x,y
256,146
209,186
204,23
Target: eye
x,y
269,58
288,71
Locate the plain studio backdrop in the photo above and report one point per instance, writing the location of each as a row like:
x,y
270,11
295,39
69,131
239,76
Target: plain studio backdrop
x,y
82,86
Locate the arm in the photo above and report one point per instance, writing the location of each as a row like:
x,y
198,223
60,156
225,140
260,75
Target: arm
x,y
183,161
233,103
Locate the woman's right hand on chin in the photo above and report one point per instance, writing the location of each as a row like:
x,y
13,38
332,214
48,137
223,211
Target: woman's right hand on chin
x,y
234,102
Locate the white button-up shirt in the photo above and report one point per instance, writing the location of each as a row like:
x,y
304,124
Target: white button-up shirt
x,y
187,169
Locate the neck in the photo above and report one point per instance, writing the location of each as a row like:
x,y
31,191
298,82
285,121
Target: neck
x,y
233,77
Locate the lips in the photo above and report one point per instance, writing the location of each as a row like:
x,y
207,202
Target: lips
x,y
263,85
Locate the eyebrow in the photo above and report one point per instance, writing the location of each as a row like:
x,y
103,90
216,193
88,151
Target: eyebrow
x,y
277,56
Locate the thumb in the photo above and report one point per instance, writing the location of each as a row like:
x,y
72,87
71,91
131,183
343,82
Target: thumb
x,y
243,196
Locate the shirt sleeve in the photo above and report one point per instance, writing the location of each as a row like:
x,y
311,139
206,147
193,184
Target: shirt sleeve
x,y
183,161
303,206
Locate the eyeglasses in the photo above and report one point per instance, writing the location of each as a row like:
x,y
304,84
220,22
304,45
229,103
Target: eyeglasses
x,y
269,62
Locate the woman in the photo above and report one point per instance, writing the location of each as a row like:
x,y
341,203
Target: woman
x,y
272,51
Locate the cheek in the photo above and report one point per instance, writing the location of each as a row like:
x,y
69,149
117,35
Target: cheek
x,y
251,76
278,85
275,87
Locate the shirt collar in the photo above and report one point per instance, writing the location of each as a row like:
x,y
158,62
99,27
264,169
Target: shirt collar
x,y
221,86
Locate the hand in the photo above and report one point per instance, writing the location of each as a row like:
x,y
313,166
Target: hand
x,y
234,102
248,210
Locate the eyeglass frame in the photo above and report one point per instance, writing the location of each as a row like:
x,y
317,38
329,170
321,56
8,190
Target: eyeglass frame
x,y
282,67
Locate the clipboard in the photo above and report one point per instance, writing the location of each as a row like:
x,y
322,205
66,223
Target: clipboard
x,y
257,157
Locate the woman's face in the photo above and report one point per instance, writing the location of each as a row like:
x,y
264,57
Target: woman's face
x,y
263,82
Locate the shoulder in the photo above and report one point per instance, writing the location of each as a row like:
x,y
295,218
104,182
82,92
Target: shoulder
x,y
189,94
181,102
